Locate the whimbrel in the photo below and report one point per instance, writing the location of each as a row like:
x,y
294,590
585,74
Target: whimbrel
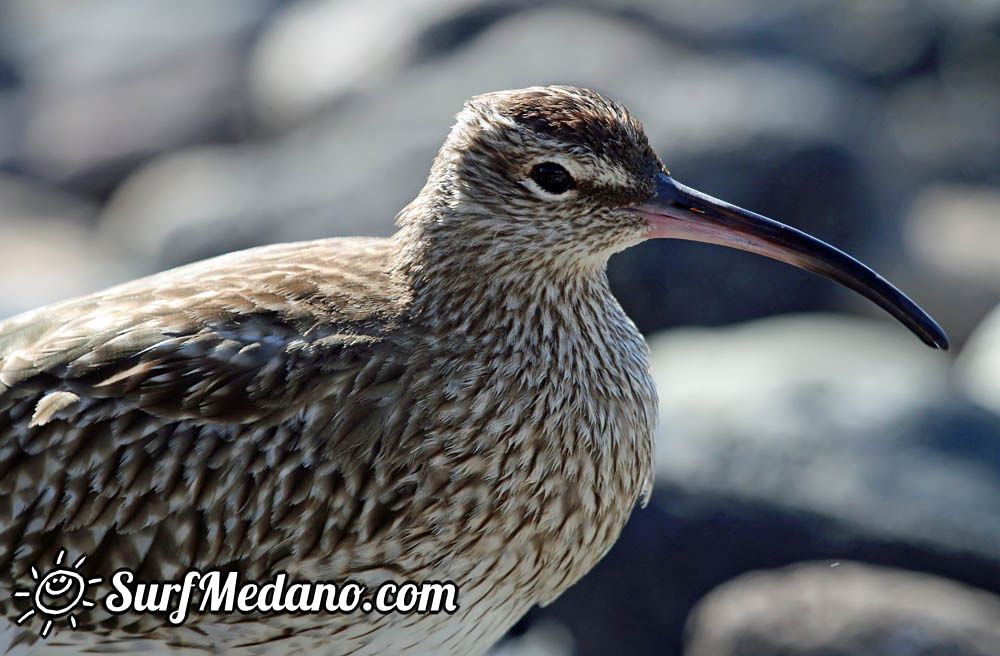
x,y
464,401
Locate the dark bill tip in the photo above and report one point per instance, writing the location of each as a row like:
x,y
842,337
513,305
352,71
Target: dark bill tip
x,y
679,212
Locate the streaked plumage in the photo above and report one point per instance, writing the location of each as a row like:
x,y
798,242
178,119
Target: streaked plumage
x,y
463,401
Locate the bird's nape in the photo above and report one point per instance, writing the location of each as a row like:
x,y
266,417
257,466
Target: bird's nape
x,y
679,212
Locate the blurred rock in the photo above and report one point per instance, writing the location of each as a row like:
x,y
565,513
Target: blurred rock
x,y
849,419
951,240
861,39
108,82
339,47
86,137
715,20
979,364
955,229
49,253
24,199
542,639
945,125
790,439
196,204
844,609
92,40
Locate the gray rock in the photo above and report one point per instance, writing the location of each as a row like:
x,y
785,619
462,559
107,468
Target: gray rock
x,y
832,416
979,364
94,40
844,609
542,639
49,252
862,38
948,121
319,51
951,245
105,83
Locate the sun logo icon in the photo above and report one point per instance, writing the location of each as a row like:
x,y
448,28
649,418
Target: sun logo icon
x,y
56,594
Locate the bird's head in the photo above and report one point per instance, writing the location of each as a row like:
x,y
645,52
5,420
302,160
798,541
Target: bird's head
x,y
564,177
546,174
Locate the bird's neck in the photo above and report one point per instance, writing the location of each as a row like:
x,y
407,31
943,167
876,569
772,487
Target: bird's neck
x,y
470,286
570,368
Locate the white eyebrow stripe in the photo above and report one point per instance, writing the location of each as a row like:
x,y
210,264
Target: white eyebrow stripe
x,y
610,175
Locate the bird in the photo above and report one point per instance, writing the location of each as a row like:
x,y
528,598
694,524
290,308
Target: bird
x,y
464,401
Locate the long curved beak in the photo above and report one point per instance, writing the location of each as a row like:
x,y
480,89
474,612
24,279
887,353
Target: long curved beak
x,y
679,212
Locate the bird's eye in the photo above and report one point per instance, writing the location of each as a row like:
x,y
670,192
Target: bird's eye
x,y
552,177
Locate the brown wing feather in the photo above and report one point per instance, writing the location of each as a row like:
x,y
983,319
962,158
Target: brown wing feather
x,y
161,426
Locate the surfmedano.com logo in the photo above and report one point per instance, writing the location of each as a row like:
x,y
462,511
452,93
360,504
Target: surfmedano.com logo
x,y
57,594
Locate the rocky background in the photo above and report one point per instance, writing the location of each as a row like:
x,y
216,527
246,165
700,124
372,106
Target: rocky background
x,y
858,469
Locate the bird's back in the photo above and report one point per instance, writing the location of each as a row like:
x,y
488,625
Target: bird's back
x,y
217,415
